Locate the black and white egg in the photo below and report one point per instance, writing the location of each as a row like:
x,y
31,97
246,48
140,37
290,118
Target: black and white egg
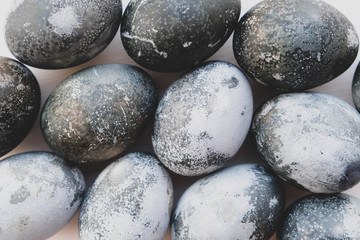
x,y
131,199
174,35
39,195
58,34
96,113
311,140
203,119
240,202
294,45
318,217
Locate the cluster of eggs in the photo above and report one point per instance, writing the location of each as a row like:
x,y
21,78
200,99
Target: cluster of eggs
x,y
310,140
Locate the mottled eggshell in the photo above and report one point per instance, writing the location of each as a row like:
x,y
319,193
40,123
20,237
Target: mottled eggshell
x,y
241,202
39,194
173,35
294,45
94,114
19,103
319,217
311,140
203,119
56,34
355,90
131,199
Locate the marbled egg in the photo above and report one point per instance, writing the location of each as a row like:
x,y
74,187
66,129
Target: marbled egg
x,y
294,45
311,140
19,103
131,199
355,90
56,34
203,119
173,35
241,202
94,114
319,217
39,195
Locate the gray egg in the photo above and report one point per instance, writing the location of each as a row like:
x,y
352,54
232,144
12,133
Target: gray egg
x,y
131,199
241,202
96,113
311,140
39,194
319,217
355,90
56,34
293,45
174,35
19,103
203,119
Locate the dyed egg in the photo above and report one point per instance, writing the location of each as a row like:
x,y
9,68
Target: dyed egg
x,y
94,114
19,103
131,199
203,119
355,90
39,195
311,140
59,34
294,45
174,35
240,202
322,217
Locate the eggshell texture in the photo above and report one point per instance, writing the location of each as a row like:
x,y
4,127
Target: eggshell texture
x,y
242,202
322,217
203,119
311,140
174,35
294,45
355,90
19,103
94,114
56,34
39,195
131,199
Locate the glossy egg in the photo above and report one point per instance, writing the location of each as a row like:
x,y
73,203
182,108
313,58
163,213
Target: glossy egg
x,y
311,140
203,119
131,199
39,195
59,34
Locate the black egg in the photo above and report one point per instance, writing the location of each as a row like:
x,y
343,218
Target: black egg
x,y
19,103
174,35
318,217
94,114
293,45
356,88
60,34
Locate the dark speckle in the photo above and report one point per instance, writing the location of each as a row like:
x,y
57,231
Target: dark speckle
x,y
20,195
231,83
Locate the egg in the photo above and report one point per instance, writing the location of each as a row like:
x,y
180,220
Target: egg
x,y
39,195
293,45
311,140
19,103
355,89
59,34
203,119
240,202
322,217
96,113
175,35
131,199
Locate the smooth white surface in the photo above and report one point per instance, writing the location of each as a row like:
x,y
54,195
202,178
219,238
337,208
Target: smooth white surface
x,y
114,53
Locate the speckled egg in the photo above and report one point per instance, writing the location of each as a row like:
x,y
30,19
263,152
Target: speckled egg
x,y
131,199
203,119
293,45
39,195
173,35
96,113
241,202
311,140
56,34
319,217
355,90
19,103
